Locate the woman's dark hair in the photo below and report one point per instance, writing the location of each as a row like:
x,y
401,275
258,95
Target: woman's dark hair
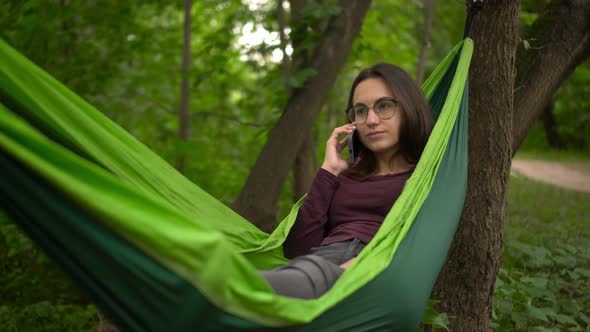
x,y
416,117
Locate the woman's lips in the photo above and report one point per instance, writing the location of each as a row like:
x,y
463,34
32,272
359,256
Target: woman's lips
x,y
375,134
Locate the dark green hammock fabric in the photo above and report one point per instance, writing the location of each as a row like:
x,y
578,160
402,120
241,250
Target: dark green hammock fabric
x,y
157,253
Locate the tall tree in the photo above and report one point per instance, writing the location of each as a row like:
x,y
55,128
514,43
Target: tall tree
x,y
428,9
304,167
557,43
183,108
305,162
466,284
285,61
258,199
522,85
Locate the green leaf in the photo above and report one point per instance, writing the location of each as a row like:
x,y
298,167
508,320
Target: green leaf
x,y
583,272
299,78
564,319
540,313
528,18
434,318
31,4
586,319
538,282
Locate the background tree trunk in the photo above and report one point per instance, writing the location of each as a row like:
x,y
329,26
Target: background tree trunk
x,y
559,41
305,162
258,198
183,109
466,284
66,25
550,126
304,167
285,62
428,9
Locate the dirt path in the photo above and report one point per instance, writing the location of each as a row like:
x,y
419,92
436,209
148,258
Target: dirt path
x,y
554,173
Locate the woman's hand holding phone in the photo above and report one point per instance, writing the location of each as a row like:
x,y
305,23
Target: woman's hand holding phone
x,y
333,161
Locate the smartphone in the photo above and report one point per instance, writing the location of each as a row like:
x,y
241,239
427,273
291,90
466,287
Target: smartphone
x,y
354,147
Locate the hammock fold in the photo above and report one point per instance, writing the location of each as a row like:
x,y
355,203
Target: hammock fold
x,y
156,252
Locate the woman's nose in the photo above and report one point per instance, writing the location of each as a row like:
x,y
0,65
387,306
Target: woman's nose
x,y
372,118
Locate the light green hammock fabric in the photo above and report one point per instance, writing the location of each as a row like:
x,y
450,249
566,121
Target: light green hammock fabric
x,y
157,253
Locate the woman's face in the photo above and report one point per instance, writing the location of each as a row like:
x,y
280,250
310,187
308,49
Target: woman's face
x,y
378,135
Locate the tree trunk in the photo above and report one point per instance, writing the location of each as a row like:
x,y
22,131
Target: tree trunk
x,y
560,41
304,167
550,126
66,25
258,199
428,9
466,284
183,109
285,62
305,162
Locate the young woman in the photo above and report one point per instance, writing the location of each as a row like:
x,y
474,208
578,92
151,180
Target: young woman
x,y
346,204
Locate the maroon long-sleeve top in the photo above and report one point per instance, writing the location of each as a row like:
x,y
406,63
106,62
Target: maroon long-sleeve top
x,y
339,208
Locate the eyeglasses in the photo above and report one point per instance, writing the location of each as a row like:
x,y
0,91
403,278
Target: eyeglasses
x,y
384,108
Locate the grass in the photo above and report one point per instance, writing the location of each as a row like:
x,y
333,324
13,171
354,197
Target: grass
x,y
544,278
542,212
577,159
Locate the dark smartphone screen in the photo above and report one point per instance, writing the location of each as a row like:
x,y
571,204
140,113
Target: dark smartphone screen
x,y
354,147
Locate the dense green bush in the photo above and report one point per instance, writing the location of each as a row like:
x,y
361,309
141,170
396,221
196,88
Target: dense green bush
x,y
46,316
35,295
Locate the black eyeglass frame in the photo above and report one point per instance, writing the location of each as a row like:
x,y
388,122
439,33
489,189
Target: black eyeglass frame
x,y
377,102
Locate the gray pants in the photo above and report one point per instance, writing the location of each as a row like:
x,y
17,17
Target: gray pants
x,y
312,275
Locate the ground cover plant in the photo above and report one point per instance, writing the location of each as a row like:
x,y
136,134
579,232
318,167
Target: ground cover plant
x,y
544,279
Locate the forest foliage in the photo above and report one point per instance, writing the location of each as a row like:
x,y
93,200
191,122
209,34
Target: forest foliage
x,y
124,58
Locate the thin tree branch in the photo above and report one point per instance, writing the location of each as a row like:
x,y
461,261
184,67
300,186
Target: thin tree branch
x,y
286,62
428,8
183,109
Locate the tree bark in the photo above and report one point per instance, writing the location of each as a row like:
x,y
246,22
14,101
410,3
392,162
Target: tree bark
x,y
466,284
428,9
560,41
258,199
305,163
300,29
550,126
304,167
285,62
183,109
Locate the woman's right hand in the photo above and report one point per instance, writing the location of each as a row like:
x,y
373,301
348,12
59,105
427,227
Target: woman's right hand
x,y
333,161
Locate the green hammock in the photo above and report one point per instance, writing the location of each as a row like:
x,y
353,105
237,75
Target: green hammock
x,y
157,253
